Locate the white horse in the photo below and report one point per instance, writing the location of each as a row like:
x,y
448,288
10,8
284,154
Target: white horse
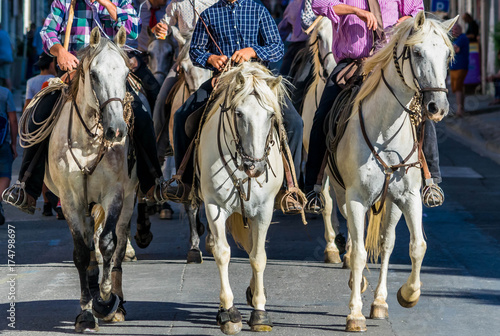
x,y
320,48
160,55
87,163
239,189
421,49
190,79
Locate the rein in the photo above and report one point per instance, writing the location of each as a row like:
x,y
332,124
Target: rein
x,y
415,113
238,182
88,170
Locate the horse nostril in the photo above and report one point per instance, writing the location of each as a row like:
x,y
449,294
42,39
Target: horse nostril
x,y
110,133
248,166
432,108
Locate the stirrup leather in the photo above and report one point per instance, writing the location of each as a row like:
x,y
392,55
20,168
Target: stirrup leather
x,y
315,201
432,194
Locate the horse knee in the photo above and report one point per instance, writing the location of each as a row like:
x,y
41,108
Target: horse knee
x,y
258,263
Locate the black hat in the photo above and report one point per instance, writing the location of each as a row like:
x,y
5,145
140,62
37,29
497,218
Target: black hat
x,y
44,60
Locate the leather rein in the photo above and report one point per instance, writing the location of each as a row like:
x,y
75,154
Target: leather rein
x,y
240,151
88,170
416,116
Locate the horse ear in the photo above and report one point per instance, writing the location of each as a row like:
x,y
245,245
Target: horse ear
x,y
273,83
240,79
95,37
448,24
419,20
121,37
178,36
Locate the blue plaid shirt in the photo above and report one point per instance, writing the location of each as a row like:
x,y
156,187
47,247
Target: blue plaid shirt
x,y
236,26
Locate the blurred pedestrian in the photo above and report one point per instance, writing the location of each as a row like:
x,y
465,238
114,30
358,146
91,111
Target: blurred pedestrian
x,y
472,28
31,53
8,141
6,59
496,81
459,67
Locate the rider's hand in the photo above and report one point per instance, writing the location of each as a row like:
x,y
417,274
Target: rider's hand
x,y
401,19
66,60
218,62
243,55
160,29
368,17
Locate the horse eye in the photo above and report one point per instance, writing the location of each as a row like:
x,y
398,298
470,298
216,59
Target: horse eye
x,y
238,114
417,52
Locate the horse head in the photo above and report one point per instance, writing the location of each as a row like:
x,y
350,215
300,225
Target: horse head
x,y
253,96
104,72
429,50
194,76
160,56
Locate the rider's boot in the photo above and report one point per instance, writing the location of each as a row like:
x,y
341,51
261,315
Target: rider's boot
x,y
17,196
432,194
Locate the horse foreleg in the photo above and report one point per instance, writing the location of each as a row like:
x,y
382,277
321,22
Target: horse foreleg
x,y
356,212
332,253
122,234
380,309
143,235
409,293
106,304
259,319
228,317
82,243
196,229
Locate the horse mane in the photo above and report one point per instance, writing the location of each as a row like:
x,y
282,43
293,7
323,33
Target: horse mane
x,y
313,46
374,64
249,78
184,52
88,54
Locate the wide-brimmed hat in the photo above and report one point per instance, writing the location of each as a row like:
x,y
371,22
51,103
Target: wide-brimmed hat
x,y
44,60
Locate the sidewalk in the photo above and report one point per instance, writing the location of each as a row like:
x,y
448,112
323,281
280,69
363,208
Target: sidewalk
x,y
479,128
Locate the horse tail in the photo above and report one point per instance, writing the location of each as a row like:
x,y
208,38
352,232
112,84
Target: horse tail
x,y
372,241
240,234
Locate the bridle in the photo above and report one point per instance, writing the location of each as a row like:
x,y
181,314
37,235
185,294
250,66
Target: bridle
x,y
88,170
416,117
238,183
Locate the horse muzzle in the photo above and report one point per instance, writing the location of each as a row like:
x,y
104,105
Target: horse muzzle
x,y
254,169
437,109
115,134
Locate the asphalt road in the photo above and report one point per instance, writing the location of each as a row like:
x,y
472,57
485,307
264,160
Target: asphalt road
x,y
460,275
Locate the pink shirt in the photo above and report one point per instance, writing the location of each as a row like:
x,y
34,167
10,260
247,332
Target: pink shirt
x,y
351,38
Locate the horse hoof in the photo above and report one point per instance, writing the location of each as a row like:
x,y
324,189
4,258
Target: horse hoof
x,y
332,257
166,214
86,322
379,311
260,321
105,310
355,324
230,328
346,262
194,257
229,320
143,241
119,315
407,304
249,296
364,284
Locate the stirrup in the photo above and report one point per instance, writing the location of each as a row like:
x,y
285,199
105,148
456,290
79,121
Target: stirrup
x,y
17,196
315,201
177,193
292,201
432,194
156,195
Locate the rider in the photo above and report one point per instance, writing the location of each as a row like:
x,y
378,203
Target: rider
x,y
244,31
352,21
109,16
180,13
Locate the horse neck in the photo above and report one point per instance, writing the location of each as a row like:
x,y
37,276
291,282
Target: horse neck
x,y
383,115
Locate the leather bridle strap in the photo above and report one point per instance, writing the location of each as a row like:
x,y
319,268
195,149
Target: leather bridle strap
x,y
103,105
388,170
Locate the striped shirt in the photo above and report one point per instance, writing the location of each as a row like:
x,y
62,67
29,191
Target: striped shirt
x,y
87,16
182,14
236,26
351,38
